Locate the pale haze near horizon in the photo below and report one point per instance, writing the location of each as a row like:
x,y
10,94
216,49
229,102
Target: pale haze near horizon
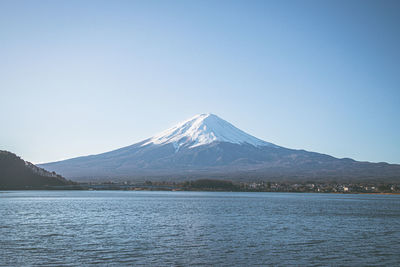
x,y
85,77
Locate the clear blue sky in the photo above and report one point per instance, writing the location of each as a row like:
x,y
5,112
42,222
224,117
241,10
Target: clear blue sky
x,y
85,77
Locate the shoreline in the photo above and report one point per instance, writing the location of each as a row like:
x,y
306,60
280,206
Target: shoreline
x,y
4,190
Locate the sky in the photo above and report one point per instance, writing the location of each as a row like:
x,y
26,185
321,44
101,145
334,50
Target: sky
x,y
85,77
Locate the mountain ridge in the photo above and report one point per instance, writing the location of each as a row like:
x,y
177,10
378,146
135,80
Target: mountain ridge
x,y
16,173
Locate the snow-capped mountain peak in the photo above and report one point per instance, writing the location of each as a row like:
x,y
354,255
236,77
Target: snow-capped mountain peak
x,y
201,152
204,129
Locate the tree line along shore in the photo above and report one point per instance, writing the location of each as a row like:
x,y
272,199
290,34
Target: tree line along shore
x,y
230,186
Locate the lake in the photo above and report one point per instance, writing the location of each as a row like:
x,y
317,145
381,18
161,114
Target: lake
x,y
197,228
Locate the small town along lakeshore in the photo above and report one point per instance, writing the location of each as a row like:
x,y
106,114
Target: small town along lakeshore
x,y
229,186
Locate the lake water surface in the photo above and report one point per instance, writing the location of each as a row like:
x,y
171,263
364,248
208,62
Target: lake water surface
x,y
198,228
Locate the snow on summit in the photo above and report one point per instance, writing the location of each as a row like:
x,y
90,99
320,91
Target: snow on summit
x,y
204,129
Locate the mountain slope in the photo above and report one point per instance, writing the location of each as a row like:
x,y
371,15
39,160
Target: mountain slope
x,y
16,173
207,146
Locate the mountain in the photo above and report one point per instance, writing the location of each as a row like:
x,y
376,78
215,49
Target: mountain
x,y
207,146
15,173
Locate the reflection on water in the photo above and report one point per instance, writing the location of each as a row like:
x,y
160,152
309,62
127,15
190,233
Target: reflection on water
x,y
197,228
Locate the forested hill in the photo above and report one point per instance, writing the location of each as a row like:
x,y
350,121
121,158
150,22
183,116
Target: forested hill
x,y
15,173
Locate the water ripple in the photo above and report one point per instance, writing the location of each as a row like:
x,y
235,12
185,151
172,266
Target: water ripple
x,y
71,228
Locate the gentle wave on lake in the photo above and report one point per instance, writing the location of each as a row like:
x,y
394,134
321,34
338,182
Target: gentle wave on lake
x,y
197,228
